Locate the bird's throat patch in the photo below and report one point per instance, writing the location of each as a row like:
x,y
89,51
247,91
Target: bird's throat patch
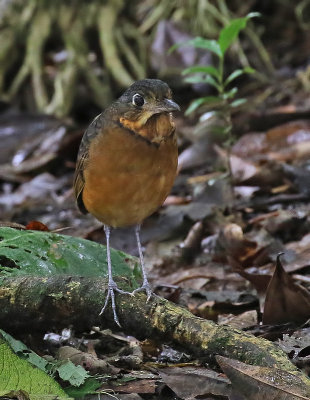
x,y
156,128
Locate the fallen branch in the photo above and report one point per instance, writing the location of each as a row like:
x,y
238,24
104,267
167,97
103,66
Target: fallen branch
x,y
40,303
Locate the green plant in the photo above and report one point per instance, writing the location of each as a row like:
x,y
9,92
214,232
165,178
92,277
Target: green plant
x,y
215,75
224,102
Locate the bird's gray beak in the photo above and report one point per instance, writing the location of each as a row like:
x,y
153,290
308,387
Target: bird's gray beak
x,y
164,106
170,105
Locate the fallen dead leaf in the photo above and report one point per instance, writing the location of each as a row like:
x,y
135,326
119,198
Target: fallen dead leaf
x,y
138,386
212,271
86,360
121,396
257,383
36,226
242,169
286,301
241,321
259,281
189,382
250,144
297,344
301,251
177,200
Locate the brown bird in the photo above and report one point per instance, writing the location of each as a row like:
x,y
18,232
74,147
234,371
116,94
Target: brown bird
x,y
127,163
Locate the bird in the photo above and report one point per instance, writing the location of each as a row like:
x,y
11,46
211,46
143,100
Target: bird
x,y
126,166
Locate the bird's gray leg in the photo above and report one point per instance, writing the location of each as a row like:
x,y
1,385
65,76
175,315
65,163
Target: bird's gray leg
x,y
145,284
112,286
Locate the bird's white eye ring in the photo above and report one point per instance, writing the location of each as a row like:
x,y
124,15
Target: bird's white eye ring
x,y
137,100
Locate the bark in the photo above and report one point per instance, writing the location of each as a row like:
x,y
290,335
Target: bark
x,y
41,303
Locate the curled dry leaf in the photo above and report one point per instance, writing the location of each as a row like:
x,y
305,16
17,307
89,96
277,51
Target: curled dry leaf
x,y
286,301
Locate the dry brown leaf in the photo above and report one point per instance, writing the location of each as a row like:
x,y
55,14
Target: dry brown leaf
x,y
259,281
242,169
258,383
189,382
288,134
36,226
301,248
212,270
289,141
286,301
177,200
138,386
249,144
120,396
241,321
86,360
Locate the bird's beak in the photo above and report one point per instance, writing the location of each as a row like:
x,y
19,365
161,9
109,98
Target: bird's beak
x,y
166,105
170,105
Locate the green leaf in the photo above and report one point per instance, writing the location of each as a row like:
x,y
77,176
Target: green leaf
x,y
195,79
233,76
199,79
206,70
238,72
249,70
16,345
238,102
67,371
200,43
44,254
230,32
17,374
90,385
202,100
24,352
74,374
230,94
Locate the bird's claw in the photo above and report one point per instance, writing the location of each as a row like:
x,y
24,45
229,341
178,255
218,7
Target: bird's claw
x,y
145,287
112,287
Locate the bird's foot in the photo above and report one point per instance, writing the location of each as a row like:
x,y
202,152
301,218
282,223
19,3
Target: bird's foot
x,y
145,287
112,288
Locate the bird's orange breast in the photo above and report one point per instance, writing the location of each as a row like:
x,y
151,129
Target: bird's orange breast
x,y
127,178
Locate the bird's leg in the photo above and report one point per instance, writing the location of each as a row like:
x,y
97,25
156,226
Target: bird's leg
x,y
112,286
145,284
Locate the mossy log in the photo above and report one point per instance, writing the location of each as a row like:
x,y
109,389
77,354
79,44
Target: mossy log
x,y
40,303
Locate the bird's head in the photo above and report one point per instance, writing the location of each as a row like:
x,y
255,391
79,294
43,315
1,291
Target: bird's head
x,y
146,107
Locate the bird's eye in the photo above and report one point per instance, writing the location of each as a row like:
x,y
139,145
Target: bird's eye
x,y
137,100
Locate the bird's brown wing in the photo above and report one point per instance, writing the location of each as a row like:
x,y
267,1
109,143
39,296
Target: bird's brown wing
x,y
82,159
